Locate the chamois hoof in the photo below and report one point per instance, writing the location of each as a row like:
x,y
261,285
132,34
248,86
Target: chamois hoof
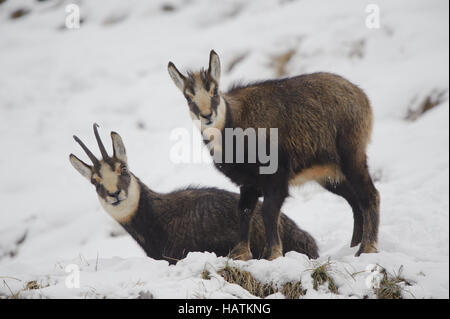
x,y
241,252
367,249
357,236
273,252
355,241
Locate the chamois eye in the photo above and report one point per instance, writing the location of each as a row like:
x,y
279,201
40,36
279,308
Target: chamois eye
x,y
123,170
189,95
213,91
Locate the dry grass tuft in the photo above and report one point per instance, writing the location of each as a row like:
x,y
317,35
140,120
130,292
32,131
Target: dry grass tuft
x,y
235,61
234,275
115,18
32,285
145,295
19,13
206,275
279,62
244,279
320,276
293,290
433,99
357,49
168,7
13,295
391,285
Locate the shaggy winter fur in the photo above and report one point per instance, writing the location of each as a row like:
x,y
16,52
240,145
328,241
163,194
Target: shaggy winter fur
x,y
168,226
324,124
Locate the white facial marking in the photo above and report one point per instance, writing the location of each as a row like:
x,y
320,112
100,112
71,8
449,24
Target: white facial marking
x,y
213,132
218,119
109,177
195,120
127,208
203,100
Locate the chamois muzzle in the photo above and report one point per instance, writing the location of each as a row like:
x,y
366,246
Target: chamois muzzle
x,y
208,118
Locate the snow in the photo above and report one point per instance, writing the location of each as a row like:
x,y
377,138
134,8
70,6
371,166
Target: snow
x,y
55,83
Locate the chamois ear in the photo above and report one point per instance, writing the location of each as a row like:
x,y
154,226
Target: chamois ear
x,y
214,66
118,147
82,168
177,78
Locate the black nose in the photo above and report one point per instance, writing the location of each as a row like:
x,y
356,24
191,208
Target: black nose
x,y
115,194
207,117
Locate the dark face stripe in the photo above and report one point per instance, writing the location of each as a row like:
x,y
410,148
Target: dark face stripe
x,y
215,100
207,83
123,180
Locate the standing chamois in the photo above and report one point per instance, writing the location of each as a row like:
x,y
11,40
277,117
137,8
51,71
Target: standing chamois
x,y
324,124
168,226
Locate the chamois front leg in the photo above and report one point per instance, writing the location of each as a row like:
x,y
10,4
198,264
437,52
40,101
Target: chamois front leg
x,y
247,202
273,200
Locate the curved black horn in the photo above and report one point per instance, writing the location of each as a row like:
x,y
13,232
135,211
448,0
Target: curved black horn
x,y
100,144
92,157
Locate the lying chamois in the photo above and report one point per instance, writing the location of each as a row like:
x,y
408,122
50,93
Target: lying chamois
x,y
168,226
324,124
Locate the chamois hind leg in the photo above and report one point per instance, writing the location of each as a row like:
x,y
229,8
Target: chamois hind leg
x,y
357,173
273,200
344,189
247,202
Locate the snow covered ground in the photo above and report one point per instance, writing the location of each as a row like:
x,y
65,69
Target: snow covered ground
x,y
56,82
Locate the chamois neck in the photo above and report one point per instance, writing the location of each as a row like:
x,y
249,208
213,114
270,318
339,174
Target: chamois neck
x,y
232,106
146,226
